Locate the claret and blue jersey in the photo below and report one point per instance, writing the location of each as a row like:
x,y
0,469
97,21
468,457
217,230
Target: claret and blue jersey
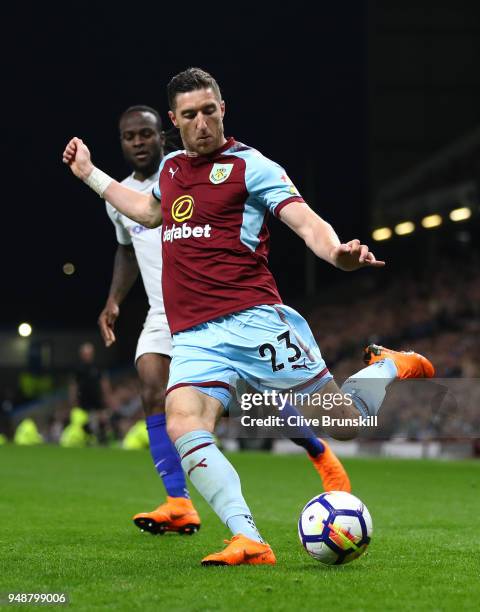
x,y
215,236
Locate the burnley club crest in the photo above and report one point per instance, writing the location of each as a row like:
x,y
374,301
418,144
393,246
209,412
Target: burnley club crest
x,y
220,173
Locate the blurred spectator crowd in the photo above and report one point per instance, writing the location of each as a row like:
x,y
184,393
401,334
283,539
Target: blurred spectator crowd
x,y
436,314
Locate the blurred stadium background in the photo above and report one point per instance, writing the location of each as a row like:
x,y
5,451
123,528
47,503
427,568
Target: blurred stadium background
x,y
414,200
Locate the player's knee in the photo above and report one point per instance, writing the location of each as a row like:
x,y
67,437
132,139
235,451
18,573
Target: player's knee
x,y
172,428
180,418
178,425
153,374
153,398
188,410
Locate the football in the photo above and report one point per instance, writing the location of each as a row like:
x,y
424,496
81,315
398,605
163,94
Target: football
x,y
335,527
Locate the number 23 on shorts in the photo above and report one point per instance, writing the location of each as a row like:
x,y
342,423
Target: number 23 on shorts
x,y
278,363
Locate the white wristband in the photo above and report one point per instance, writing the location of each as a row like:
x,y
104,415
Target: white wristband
x,y
98,181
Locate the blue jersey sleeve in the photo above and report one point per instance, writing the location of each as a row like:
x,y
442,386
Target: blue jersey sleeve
x,y
268,183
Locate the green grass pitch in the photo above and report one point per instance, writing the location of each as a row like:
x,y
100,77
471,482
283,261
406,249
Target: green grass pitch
x,y
66,528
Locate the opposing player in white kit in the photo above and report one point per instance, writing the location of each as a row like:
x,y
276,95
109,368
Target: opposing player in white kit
x,y
139,250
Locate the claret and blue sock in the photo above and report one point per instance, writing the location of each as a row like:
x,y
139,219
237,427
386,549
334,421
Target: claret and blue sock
x,y
217,481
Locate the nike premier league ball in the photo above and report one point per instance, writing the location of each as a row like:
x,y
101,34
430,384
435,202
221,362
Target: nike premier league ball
x,y
335,527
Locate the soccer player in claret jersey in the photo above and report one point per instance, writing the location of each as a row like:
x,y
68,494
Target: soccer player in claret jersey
x,y
139,250
222,304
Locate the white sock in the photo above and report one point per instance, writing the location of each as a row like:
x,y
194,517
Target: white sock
x,y
369,386
216,480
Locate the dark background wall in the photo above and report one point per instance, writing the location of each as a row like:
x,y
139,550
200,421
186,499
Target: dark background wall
x,y
423,81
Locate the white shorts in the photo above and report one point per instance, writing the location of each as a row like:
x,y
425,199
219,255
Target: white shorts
x,y
155,337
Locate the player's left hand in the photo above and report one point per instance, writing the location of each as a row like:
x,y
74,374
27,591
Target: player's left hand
x,y
354,255
106,322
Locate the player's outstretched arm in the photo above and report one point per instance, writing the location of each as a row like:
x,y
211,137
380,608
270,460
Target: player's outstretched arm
x,y
322,239
140,207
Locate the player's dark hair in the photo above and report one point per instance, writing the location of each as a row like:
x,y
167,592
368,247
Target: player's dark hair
x,y
141,108
190,80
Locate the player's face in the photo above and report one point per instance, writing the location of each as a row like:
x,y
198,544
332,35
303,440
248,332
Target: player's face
x,y
199,116
142,143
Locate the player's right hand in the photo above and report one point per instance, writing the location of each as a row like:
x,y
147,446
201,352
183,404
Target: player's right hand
x,y
77,156
106,322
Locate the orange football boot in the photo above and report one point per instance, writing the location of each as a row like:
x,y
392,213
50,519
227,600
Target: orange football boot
x,y
242,551
409,364
177,514
333,474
